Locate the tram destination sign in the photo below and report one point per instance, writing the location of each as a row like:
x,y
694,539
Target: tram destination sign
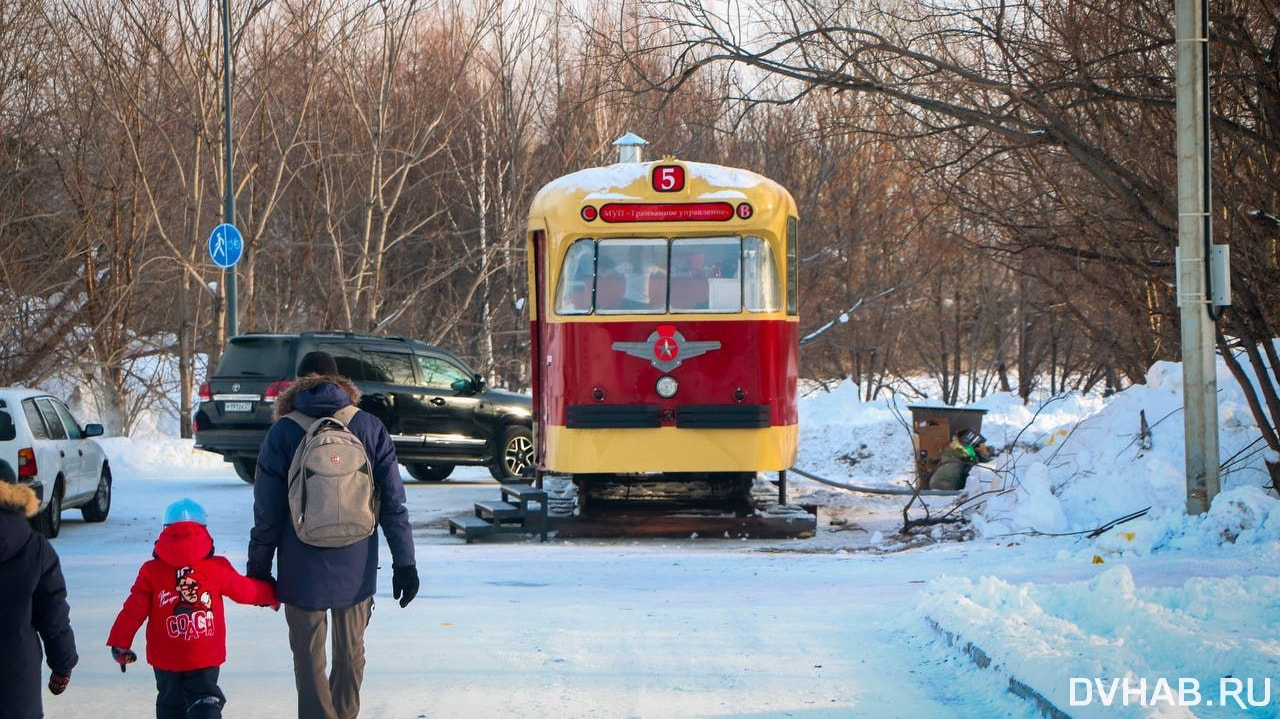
x,y
667,212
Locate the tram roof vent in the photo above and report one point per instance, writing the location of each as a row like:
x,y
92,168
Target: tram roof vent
x,y
629,147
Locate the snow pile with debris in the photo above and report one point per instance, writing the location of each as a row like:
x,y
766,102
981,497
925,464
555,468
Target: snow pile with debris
x,y
1070,464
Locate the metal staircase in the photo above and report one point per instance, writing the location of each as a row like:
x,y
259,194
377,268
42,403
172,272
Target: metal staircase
x,y
521,510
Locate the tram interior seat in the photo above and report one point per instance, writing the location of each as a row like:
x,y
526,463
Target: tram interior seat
x,y
689,293
657,292
577,299
609,291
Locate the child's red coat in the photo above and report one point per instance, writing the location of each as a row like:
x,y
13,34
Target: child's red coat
x,y
179,594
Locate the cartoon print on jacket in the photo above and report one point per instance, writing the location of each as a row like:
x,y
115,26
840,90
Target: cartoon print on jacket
x,y
193,611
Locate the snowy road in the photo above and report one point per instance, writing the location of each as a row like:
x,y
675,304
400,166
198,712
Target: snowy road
x,y
830,626
837,625
689,628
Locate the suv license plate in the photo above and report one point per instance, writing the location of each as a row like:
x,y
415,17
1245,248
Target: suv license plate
x,y
237,407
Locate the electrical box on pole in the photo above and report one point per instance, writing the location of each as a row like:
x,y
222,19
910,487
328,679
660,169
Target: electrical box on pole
x,y
1219,274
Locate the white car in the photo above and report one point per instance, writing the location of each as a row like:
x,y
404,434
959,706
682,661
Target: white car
x,y
51,453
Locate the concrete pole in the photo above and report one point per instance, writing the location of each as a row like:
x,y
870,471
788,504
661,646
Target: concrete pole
x,y
1199,366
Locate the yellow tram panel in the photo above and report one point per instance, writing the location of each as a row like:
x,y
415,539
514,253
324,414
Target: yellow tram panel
x,y
588,451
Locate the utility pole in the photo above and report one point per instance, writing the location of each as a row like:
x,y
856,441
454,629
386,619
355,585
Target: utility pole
x,y
1197,300
229,198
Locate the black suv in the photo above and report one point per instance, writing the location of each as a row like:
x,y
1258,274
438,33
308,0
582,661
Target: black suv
x,y
437,409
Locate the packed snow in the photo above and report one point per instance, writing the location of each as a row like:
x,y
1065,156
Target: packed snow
x,y
1077,579
623,174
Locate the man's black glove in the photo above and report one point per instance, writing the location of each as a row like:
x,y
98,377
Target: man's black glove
x,y
264,575
58,683
404,584
123,657
265,578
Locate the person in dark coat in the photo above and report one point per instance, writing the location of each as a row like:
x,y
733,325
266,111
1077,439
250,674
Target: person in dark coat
x,y
957,459
327,585
33,606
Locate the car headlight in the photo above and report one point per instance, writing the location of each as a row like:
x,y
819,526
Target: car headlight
x,y
667,386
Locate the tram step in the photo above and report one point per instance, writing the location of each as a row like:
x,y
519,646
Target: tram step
x,y
524,493
522,510
472,527
500,511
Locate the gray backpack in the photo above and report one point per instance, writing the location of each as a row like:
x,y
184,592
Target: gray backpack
x,y
332,496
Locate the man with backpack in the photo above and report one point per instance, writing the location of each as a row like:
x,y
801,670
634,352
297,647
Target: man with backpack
x,y
316,499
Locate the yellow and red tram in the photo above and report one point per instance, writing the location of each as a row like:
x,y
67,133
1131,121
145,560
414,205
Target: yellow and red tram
x,y
664,329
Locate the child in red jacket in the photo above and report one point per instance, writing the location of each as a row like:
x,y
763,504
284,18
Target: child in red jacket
x,y
179,595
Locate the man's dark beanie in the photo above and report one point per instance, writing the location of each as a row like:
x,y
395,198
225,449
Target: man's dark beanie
x,y
317,363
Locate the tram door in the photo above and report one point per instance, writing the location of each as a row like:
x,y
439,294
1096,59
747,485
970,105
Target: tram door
x,y
539,299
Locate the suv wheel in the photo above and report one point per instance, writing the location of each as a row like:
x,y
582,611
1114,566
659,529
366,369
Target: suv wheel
x,y
515,461
49,522
245,467
429,472
100,506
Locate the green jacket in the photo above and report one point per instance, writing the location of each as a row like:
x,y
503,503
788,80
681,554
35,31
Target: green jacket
x,y
954,465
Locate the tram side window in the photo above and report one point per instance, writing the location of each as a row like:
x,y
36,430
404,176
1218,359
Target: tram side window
x,y
793,299
760,276
574,289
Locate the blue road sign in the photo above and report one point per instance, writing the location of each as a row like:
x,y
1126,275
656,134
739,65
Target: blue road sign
x,y
225,245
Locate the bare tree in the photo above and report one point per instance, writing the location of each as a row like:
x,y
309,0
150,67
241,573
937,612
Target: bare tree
x,y
1061,110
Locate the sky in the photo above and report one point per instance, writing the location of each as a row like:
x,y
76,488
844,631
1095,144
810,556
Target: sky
x,y
1181,613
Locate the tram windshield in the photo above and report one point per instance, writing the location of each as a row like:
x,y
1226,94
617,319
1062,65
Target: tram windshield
x,y
659,276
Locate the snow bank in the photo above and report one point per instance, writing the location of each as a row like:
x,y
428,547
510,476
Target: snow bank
x,y
1082,645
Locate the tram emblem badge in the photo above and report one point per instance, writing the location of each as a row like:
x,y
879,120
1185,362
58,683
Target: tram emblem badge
x,y
666,348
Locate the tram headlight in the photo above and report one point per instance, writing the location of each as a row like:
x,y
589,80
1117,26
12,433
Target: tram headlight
x,y
667,386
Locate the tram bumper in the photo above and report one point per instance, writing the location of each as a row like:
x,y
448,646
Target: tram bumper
x,y
670,449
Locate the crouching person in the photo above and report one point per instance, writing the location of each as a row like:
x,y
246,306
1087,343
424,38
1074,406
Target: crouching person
x,y
958,459
178,593
33,608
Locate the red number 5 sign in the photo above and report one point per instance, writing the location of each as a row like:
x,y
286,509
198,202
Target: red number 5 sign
x,y
668,178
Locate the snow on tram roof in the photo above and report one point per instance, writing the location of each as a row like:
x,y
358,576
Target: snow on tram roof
x,y
606,182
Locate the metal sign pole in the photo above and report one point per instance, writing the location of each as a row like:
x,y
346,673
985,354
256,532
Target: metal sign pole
x,y
229,201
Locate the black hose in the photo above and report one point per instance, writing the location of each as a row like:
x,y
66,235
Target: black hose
x,y
1206,169
877,490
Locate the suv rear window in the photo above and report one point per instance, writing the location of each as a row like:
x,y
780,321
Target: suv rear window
x,y
256,357
351,362
7,429
34,421
390,367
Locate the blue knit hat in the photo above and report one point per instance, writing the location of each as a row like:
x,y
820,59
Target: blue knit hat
x,y
184,510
